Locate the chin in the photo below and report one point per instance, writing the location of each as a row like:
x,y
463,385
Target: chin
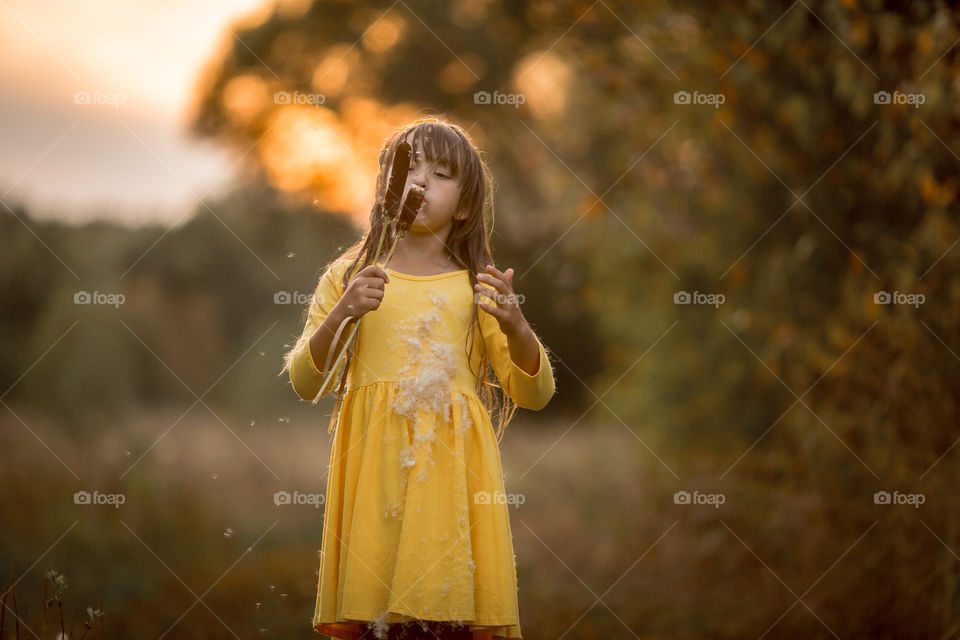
x,y
422,229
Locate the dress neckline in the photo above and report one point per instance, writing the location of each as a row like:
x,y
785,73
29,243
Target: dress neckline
x,y
435,276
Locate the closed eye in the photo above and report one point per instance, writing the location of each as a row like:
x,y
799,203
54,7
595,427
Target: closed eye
x,y
441,174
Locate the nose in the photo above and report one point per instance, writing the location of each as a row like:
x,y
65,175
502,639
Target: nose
x,y
418,176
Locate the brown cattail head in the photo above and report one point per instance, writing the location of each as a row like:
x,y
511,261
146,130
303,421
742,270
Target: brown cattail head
x,y
398,179
411,207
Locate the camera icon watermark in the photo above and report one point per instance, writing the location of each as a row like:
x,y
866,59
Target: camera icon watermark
x,y
898,297
96,97
293,297
315,500
685,497
713,299
697,98
98,297
898,97
485,497
97,498
485,97
885,497
499,298
298,97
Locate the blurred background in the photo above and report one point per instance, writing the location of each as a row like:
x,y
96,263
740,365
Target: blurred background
x,y
734,224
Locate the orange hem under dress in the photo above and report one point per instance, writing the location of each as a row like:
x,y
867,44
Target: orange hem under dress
x,y
416,526
356,631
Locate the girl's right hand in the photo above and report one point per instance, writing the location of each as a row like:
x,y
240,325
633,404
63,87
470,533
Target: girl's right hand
x,y
364,292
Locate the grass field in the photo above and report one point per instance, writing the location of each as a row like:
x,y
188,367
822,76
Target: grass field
x,y
198,549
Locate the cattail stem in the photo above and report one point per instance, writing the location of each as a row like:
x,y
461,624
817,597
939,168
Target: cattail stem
x,y
383,233
43,609
399,225
353,331
390,253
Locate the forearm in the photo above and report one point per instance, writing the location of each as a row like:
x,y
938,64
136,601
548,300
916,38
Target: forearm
x,y
525,350
322,338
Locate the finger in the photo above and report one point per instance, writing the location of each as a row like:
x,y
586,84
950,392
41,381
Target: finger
x,y
373,283
490,293
499,279
503,301
491,310
494,282
485,280
375,271
496,272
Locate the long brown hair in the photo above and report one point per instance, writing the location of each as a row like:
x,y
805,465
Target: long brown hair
x,y
468,243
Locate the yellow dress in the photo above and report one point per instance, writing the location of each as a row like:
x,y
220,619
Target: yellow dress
x,y
416,525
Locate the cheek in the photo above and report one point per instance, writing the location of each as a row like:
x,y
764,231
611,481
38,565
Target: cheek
x,y
441,193
452,193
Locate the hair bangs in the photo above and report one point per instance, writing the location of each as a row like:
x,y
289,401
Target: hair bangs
x,y
441,145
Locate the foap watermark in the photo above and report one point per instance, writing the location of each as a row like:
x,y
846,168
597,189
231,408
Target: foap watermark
x,y
285,497
697,297
96,97
685,497
899,297
485,497
485,97
293,297
712,99
99,297
885,497
899,97
113,499
500,298
298,97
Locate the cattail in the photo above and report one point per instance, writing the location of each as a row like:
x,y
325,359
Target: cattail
x,y
408,213
394,225
398,178
391,202
410,209
412,202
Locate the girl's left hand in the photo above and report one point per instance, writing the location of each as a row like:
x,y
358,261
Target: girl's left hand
x,y
507,309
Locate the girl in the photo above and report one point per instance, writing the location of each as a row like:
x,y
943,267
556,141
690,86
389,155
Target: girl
x,y
416,534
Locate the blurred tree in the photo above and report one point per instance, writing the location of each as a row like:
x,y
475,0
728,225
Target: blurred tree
x,y
314,92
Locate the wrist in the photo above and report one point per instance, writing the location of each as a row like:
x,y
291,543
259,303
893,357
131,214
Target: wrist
x,y
519,331
338,314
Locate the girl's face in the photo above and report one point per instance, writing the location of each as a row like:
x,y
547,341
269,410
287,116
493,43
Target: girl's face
x,y
442,193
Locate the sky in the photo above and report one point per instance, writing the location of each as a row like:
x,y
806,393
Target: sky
x,y
95,101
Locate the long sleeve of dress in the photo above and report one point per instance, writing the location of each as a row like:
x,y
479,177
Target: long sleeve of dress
x,y
305,377
528,391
